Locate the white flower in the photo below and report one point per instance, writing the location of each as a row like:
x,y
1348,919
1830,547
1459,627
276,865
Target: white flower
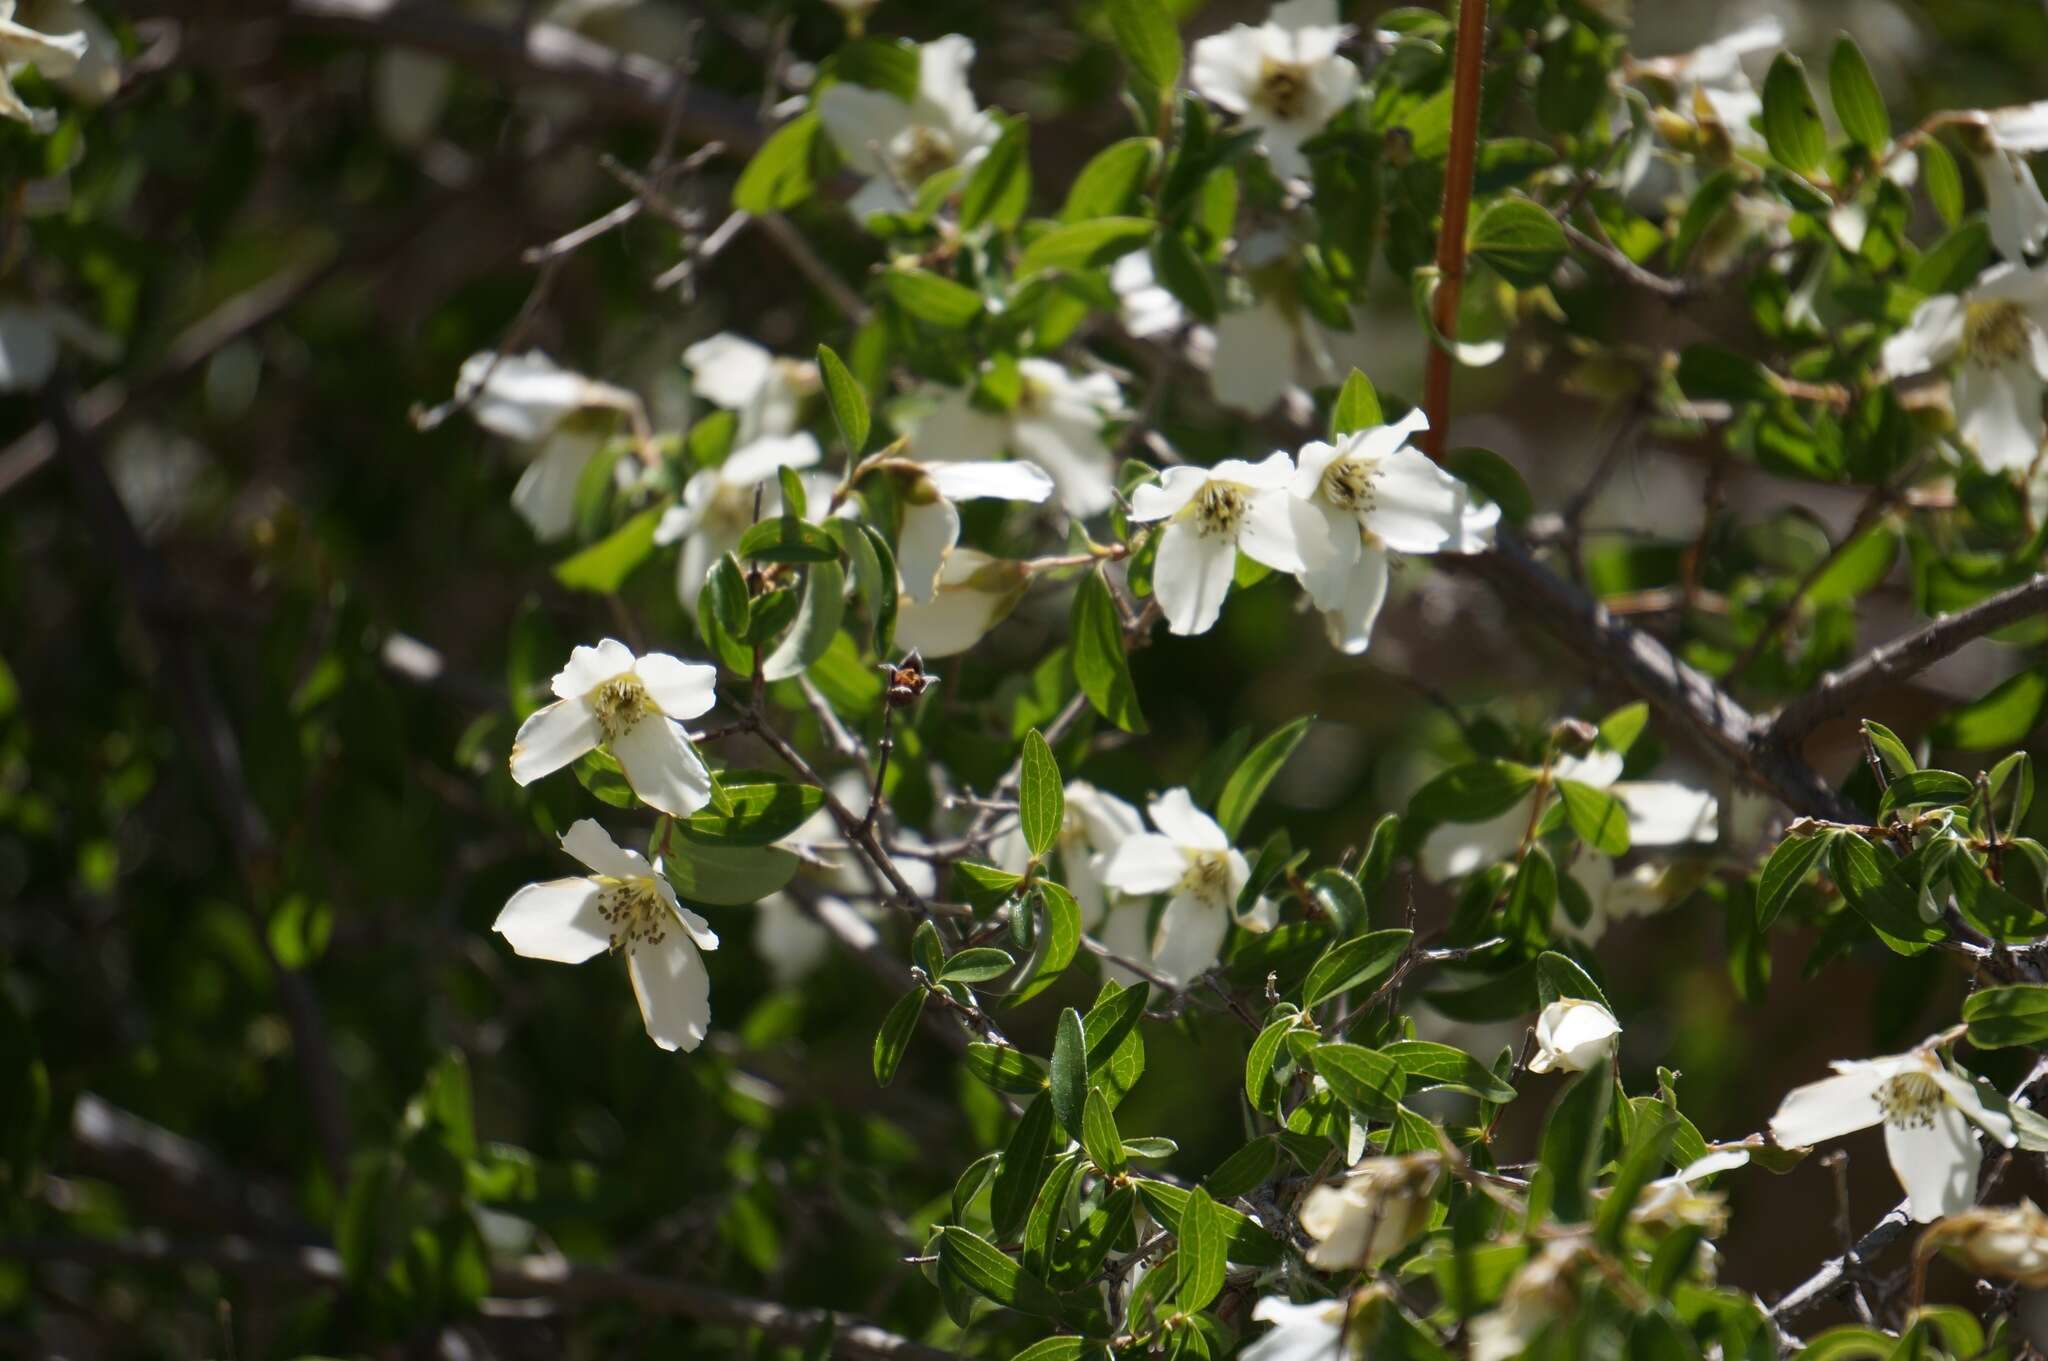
x,y
1926,1111
975,593
931,526
1301,1332
1191,858
1056,423
1095,825
1539,1292
97,76
1997,332
762,389
1264,351
1572,1035
1714,71
717,507
793,942
899,146
1660,813
1610,897
52,55
1998,141
1144,304
2009,1241
1211,514
532,401
1374,1211
631,707
627,906
1283,77
1379,496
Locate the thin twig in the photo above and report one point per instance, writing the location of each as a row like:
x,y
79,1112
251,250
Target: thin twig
x,y
1469,56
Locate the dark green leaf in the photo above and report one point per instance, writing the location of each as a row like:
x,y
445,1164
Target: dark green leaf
x,y
1247,784
1353,963
1920,788
1112,180
1430,1065
894,1037
978,965
764,811
1519,240
1000,187
1145,31
1246,1242
788,539
1069,1071
1559,976
1366,1080
1495,478
1892,908
1474,792
604,566
1201,1232
1791,120
1084,245
1100,666
978,1265
1041,798
2004,1016
1261,1087
1099,1133
1023,1167
1571,1145
1790,863
1245,1170
2002,718
932,297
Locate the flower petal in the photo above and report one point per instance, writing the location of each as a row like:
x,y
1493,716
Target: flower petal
x,y
662,767
683,689
1936,1161
545,495
1175,814
1189,938
1175,488
1225,69
1145,864
1350,599
1004,481
1256,357
557,920
594,847
1460,847
929,532
1666,813
1191,576
861,123
728,369
1829,1108
762,459
674,990
1276,524
1934,332
1998,413
956,429
590,667
1419,508
552,737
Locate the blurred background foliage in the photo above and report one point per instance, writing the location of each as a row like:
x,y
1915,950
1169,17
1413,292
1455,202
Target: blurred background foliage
x,y
285,237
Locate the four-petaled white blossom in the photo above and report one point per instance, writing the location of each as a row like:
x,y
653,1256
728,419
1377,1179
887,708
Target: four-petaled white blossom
x,y
931,525
1378,496
764,390
975,592
1573,1034
1996,331
1927,1112
1660,813
1056,423
53,55
1372,1212
1211,514
1302,1332
633,708
1283,77
899,145
1191,858
536,403
627,906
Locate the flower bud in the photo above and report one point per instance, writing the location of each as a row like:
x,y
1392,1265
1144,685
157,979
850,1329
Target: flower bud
x,y
975,593
1373,1212
1572,1035
2009,1242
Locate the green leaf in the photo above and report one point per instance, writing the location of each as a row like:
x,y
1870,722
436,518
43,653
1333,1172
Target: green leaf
x,y
1055,1349
1785,871
1891,907
1620,729
890,65
1112,180
1062,938
977,1264
1922,788
729,600
1352,963
1201,1232
1708,373
1244,1171
932,297
1573,83
1261,1087
818,614
728,876
1000,187
1100,665
1559,976
1792,127
1519,240
1099,1135
1890,750
1474,792
1645,1156
893,1039
604,566
1246,1242
1357,407
1338,894
1180,271
1708,203
1246,785
1069,1071
1145,31
1571,1145
1041,798
1110,1022
1429,1065
1023,1167
1367,1081
1597,816
984,886
1042,1225
784,172
1084,245
884,610
1004,1068
787,539
763,811
978,965
2002,718
1944,182
848,400
2005,1016
1494,477
1858,105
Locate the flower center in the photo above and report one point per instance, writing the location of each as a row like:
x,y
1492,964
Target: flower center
x,y
1219,508
1207,877
1283,88
620,703
1347,483
1995,332
1910,1100
634,910
920,153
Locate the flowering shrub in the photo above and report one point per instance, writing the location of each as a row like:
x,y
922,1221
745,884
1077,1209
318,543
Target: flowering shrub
x,y
986,1013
